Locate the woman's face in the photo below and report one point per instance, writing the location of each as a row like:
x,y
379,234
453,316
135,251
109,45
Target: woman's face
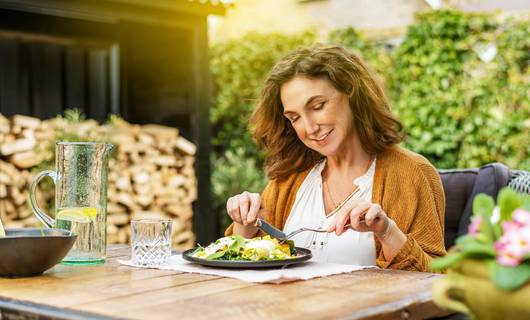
x,y
319,113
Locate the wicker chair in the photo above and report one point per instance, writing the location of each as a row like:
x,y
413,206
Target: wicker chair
x,y
520,181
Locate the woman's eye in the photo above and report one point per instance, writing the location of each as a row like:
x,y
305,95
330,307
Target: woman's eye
x,y
293,119
319,106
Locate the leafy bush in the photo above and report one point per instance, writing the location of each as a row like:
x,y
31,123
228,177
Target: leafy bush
x,y
498,127
235,172
458,110
374,53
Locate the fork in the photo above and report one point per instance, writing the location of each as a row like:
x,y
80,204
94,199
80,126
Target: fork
x,y
280,235
297,231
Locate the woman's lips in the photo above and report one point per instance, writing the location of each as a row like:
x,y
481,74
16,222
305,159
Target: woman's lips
x,y
323,139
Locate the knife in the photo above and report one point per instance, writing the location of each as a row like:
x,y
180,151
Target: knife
x,y
270,230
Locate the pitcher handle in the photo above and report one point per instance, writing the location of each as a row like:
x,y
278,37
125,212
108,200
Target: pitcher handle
x,y
41,215
449,294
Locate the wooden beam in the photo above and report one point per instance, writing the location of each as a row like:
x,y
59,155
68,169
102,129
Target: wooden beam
x,y
160,12
97,66
201,8
205,221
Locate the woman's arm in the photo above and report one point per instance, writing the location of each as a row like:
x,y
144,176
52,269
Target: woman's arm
x,y
421,221
392,240
411,232
245,231
249,230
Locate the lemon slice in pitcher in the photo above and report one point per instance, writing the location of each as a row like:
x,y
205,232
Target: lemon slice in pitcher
x,y
86,214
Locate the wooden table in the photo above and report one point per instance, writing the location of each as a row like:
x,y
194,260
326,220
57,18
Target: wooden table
x,y
113,291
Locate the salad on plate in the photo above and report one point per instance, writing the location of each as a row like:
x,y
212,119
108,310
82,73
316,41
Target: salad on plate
x,y
236,247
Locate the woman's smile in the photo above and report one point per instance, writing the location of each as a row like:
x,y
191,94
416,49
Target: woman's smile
x,y
323,139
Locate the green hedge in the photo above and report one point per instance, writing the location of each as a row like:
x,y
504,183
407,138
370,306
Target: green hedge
x,y
458,110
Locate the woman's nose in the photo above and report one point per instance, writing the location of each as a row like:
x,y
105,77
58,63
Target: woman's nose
x,y
311,126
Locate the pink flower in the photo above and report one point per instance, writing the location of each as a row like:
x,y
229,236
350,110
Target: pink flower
x,y
521,217
474,226
506,259
514,243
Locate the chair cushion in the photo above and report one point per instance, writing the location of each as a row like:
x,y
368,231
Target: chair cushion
x,y
458,185
460,188
490,180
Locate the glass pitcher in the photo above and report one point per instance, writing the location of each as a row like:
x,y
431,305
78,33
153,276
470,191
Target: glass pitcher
x,y
80,198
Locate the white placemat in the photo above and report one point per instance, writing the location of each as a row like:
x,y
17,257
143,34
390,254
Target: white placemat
x,y
303,271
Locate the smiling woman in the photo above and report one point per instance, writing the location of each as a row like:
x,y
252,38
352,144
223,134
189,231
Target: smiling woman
x,y
330,141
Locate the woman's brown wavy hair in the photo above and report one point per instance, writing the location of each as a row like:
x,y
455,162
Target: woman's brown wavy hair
x,y
373,121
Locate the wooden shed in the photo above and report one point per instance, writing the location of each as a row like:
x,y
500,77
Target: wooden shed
x,y
146,60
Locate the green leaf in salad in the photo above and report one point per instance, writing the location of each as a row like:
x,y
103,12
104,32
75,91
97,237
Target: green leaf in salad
x,y
197,250
239,242
217,255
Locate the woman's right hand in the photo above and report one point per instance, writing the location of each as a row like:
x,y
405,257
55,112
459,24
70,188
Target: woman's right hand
x,y
244,208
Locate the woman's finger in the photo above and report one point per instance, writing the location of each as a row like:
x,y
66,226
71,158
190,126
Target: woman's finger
x,y
357,215
244,206
379,220
255,204
235,214
342,215
372,215
230,208
340,222
352,208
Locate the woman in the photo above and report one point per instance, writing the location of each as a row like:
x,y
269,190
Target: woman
x,y
332,158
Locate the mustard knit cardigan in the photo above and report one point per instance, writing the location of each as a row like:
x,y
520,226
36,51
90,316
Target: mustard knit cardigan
x,y
409,190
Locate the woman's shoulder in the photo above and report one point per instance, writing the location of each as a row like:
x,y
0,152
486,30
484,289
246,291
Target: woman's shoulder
x,y
406,162
406,173
292,180
286,184
279,196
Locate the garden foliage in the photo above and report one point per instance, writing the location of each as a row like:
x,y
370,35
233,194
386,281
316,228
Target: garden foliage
x,y
460,110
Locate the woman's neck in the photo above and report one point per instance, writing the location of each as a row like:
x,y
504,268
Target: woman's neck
x,y
352,161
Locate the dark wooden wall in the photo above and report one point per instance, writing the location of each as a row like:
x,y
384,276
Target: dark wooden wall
x,y
43,77
159,76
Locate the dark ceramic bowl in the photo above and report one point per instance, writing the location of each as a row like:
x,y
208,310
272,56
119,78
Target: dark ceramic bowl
x,y
30,251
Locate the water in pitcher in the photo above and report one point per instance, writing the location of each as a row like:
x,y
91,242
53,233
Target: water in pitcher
x,y
81,179
89,225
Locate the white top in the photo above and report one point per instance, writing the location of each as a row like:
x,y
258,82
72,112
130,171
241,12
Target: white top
x,y
351,247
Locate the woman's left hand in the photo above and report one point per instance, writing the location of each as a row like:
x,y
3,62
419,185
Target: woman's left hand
x,y
362,216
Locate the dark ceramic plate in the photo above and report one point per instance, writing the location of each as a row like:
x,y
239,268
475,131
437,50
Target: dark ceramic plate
x,y
31,251
302,255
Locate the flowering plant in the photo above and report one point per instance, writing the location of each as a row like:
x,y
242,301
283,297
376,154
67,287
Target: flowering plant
x,y
499,235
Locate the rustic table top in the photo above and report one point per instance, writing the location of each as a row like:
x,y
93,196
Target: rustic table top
x,y
114,291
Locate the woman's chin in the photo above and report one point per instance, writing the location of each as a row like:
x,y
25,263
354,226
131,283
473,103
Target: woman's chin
x,y
327,151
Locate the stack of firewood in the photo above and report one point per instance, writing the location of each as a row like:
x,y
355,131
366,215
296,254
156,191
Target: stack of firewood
x,y
151,174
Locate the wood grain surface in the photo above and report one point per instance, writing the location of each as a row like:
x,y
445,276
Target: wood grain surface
x,y
114,291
